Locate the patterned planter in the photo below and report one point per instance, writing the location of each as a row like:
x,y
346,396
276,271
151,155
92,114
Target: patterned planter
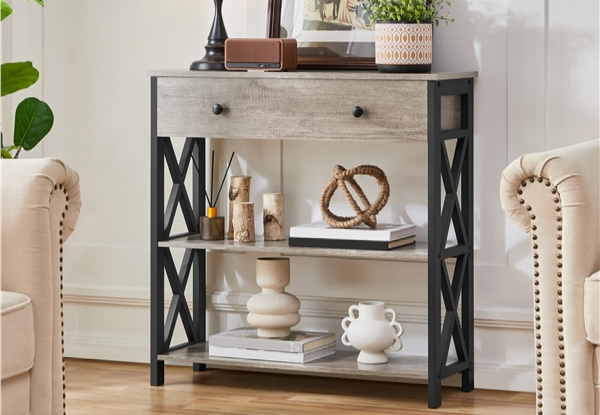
x,y
403,46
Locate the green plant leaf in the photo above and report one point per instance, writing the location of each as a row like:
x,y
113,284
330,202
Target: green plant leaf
x,y
5,154
17,76
6,10
33,120
40,2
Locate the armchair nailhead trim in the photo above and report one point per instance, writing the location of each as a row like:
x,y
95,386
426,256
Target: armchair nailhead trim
x,y
62,323
536,282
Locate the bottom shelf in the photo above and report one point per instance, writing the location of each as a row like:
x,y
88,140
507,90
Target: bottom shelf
x,y
342,364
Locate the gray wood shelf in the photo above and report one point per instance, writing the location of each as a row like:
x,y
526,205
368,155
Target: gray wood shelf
x,y
411,253
329,75
342,364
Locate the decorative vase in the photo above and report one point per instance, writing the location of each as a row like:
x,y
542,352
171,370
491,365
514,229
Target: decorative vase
x,y
403,46
371,332
273,216
273,311
239,191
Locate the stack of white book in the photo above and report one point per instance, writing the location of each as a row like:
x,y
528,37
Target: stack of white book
x,y
298,347
383,237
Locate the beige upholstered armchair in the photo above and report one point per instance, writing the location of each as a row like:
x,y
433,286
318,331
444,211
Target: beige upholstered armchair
x,y
554,197
39,206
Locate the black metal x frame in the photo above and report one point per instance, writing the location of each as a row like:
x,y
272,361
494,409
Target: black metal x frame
x,y
194,260
456,177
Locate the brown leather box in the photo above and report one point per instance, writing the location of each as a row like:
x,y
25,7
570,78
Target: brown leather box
x,y
260,54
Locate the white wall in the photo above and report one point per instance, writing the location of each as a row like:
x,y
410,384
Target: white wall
x,y
537,89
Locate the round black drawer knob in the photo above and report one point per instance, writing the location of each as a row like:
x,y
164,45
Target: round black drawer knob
x,y
217,109
357,111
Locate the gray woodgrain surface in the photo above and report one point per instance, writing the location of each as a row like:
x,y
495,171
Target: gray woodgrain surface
x,y
292,109
342,363
411,253
346,75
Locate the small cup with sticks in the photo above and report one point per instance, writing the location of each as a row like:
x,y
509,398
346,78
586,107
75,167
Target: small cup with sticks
x,y
212,226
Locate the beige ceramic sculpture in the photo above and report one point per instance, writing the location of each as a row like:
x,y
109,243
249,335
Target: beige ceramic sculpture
x,y
273,311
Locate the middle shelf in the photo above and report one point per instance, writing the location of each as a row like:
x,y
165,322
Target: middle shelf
x,y
411,253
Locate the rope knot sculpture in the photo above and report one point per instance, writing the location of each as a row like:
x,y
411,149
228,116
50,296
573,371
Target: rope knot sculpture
x,y
366,216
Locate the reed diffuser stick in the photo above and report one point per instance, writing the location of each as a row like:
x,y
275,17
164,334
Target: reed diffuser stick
x,y
201,178
212,177
225,176
209,200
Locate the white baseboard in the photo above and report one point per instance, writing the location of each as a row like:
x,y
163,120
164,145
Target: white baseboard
x,y
104,344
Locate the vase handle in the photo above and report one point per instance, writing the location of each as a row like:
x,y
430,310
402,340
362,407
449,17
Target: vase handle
x,y
397,342
345,326
389,310
351,311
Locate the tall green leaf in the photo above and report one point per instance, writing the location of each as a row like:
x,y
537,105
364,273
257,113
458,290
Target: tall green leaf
x,y
17,76
33,120
6,10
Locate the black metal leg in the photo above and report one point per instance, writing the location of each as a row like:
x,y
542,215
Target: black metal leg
x,y
199,270
454,211
468,377
157,294
434,269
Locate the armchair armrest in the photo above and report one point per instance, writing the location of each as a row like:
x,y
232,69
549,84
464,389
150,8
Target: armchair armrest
x,y
40,205
554,197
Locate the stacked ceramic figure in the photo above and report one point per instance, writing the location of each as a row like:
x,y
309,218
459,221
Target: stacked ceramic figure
x,y
273,311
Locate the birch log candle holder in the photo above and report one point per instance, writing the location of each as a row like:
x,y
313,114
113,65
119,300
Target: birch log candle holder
x,y
239,192
243,222
273,216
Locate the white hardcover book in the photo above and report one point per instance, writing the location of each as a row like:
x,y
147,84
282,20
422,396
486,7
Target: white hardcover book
x,y
287,357
382,232
247,338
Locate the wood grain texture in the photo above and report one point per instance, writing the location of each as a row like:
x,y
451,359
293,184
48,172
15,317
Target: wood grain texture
x,y
243,222
102,388
412,253
341,364
293,109
343,75
239,191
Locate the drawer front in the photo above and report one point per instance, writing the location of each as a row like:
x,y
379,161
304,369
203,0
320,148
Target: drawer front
x,y
292,109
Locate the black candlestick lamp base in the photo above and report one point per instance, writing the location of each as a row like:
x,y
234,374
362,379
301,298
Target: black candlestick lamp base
x,y
214,60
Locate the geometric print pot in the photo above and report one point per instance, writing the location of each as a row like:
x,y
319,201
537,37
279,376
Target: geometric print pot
x,y
403,46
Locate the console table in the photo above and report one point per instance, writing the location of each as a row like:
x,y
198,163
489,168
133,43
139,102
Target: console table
x,y
430,108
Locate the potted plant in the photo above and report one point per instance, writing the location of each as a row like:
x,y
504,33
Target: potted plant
x,y
33,117
404,32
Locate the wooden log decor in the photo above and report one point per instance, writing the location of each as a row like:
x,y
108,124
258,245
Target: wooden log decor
x,y
273,216
239,191
339,179
243,222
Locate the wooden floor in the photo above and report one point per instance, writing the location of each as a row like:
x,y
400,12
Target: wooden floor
x,y
98,387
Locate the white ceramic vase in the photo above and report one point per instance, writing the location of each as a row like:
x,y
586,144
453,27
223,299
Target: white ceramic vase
x,y
371,332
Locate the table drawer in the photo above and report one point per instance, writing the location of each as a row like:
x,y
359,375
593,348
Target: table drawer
x,y
292,109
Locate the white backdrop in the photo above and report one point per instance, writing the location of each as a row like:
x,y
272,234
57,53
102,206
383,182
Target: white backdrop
x,y
537,89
